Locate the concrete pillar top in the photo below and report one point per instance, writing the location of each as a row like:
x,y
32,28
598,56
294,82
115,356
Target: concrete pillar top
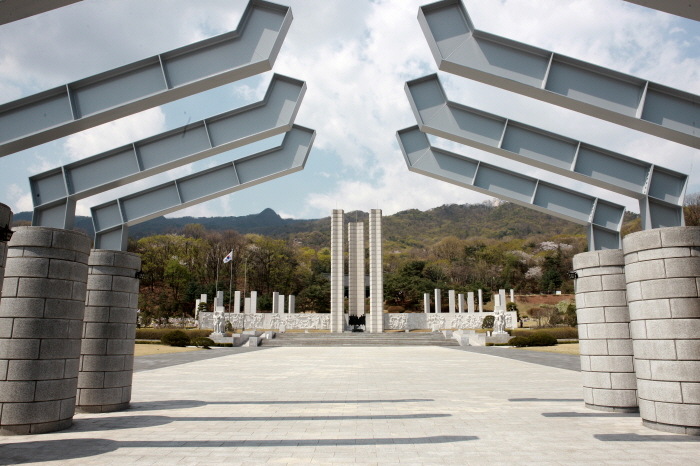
x,y
661,238
46,237
602,258
5,215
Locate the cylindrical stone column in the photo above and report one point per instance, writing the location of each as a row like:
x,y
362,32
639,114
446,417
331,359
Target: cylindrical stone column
x,y
662,269
5,222
41,322
109,331
607,364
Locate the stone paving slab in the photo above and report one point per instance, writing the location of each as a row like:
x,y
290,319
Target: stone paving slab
x,y
355,405
157,361
569,362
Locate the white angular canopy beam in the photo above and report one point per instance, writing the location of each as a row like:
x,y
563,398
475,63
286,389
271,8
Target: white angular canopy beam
x,y
112,219
660,191
249,50
460,49
55,192
686,8
13,10
603,219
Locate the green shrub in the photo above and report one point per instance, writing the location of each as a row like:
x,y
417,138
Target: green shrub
x,y
557,332
488,322
542,339
519,342
175,338
203,342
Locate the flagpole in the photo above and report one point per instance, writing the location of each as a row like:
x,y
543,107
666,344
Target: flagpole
x,y
230,282
217,270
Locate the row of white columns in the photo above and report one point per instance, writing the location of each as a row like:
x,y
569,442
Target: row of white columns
x,y
250,304
456,301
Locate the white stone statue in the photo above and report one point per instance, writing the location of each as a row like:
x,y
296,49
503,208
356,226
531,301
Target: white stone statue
x,y
499,324
219,326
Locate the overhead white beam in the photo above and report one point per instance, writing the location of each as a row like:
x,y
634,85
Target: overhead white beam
x,y
56,191
603,219
249,50
660,191
459,48
112,219
13,10
686,8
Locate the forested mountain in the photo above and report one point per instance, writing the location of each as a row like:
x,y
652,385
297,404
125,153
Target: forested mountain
x,y
409,228
460,247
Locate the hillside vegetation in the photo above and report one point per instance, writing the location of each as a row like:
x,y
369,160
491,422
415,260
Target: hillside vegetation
x,y
460,247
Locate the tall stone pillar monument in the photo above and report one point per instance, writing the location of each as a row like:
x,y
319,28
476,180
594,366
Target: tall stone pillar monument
x,y
356,268
337,272
5,222
42,308
662,267
376,277
607,364
109,330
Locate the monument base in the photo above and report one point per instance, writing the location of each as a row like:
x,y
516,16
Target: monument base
x,y
612,409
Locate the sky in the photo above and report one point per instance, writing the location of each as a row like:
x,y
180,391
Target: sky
x,y
355,56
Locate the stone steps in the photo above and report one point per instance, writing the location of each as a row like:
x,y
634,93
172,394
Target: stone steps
x,y
359,339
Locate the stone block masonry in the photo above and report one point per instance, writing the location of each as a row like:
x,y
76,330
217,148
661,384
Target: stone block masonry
x,y
109,329
356,268
376,273
337,272
662,271
609,382
5,221
41,325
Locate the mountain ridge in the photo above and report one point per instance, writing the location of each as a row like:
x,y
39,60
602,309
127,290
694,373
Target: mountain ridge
x,y
405,229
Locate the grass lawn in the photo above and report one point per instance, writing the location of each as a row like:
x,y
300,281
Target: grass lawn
x,y
571,348
145,350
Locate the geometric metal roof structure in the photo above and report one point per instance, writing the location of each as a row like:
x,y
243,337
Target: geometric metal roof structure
x,y
459,48
249,50
13,10
55,192
112,219
603,219
660,191
686,8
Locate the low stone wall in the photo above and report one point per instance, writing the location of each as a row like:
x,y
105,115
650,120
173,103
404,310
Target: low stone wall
x,y
404,321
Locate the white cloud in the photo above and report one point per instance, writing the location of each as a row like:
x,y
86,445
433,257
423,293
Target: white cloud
x,y
115,133
19,199
355,57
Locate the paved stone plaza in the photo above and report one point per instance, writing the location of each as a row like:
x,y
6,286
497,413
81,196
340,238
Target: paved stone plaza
x,y
360,405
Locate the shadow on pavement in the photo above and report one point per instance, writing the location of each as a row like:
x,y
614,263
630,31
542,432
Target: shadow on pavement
x,y
61,450
646,438
563,400
600,414
179,404
137,422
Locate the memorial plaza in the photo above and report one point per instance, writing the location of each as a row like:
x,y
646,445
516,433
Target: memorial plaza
x,y
355,405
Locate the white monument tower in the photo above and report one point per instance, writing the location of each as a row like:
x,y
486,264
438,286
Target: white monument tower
x,y
356,268
376,277
337,272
